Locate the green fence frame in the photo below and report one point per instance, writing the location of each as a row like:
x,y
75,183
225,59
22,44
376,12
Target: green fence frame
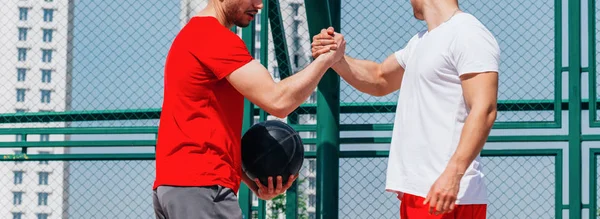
x,y
328,108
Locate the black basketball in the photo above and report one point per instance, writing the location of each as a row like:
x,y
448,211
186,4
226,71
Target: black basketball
x,y
272,148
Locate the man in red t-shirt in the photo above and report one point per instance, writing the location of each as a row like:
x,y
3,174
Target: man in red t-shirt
x,y
208,73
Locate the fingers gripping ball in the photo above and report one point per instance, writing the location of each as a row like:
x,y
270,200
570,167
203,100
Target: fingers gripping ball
x,y
271,148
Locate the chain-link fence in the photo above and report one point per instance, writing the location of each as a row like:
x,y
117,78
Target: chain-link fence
x,y
289,51
526,33
76,189
106,59
65,56
518,187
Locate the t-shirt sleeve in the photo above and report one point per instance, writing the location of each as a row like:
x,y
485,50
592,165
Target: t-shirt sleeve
x,y
225,54
402,55
476,50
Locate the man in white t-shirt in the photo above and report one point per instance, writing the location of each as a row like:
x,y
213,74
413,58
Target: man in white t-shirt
x,y
448,81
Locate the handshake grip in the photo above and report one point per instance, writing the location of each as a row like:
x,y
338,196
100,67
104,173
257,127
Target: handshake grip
x,y
328,43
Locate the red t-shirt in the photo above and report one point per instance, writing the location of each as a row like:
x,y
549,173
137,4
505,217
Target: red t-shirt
x,y
201,120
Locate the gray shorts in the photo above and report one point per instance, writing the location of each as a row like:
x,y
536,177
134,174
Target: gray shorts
x,y
195,203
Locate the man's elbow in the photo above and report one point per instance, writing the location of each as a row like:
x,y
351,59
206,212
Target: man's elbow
x,y
492,115
280,113
382,89
278,110
379,91
487,113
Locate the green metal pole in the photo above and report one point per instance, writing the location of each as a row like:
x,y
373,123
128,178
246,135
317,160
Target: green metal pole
x,y
264,60
592,16
575,180
245,194
558,63
291,201
593,180
264,46
282,55
319,16
24,139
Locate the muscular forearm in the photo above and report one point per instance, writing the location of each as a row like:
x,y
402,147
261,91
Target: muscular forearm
x,y
474,135
294,90
364,75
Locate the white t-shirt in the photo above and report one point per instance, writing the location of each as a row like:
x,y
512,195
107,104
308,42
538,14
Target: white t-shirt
x,y
431,109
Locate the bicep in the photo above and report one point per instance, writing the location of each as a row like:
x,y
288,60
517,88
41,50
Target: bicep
x,y
480,90
392,72
253,81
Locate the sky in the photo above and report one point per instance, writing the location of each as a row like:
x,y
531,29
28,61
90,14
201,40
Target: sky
x,y
119,51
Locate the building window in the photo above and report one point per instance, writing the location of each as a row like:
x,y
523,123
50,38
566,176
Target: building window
x,y
276,72
295,8
312,183
20,95
46,55
44,137
18,177
47,35
257,18
46,96
312,165
20,110
296,60
17,198
46,76
48,14
257,36
40,215
23,14
17,215
19,139
22,52
312,98
297,45
22,33
21,74
43,198
311,215
312,200
43,178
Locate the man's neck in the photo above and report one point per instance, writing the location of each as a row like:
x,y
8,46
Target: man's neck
x,y
439,12
212,10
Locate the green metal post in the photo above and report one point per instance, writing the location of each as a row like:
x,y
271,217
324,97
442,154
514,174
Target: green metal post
x,y
319,16
23,139
285,70
264,46
558,73
282,54
245,194
592,63
264,60
291,201
575,180
593,180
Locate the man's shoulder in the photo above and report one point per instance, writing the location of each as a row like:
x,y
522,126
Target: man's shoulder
x,y
206,30
469,22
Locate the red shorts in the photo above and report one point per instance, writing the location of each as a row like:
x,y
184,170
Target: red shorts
x,y
411,207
